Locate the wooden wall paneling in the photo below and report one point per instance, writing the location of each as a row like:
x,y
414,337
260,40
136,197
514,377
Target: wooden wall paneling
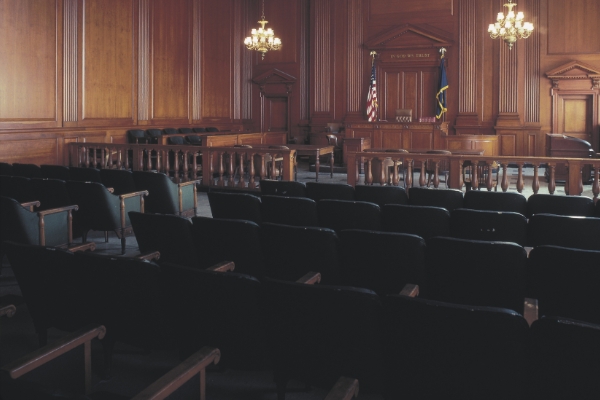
x,y
31,64
574,27
33,148
171,61
107,89
143,59
488,143
301,133
356,56
71,71
196,91
321,61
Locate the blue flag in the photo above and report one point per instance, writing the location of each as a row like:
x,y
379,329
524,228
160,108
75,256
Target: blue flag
x,y
441,93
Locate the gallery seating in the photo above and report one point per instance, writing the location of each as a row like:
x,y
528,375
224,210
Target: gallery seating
x,y
560,205
165,196
597,212
274,187
186,130
26,170
170,131
154,136
51,193
235,206
6,168
319,332
495,201
297,211
449,199
83,174
381,195
55,172
21,190
239,241
565,359
292,251
198,129
488,225
565,281
381,261
496,277
170,235
120,180
101,210
345,214
336,191
137,136
194,140
442,350
423,221
566,231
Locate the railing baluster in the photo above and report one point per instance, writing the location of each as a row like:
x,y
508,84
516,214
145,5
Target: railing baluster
x,y
252,172
520,180
475,175
552,178
436,176
409,173
395,178
221,171
504,184
369,172
422,180
535,185
596,183
490,177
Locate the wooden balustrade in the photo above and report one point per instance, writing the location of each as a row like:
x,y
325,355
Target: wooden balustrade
x,y
218,166
458,163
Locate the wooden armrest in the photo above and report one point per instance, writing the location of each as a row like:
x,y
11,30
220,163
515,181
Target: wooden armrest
x,y
530,310
57,210
222,266
9,310
133,194
344,389
172,380
310,278
91,246
410,290
47,353
155,255
30,205
182,184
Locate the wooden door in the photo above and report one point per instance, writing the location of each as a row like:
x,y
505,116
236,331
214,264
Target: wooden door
x,y
276,117
576,115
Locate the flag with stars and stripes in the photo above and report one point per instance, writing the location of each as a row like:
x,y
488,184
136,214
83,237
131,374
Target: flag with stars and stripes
x,y
372,105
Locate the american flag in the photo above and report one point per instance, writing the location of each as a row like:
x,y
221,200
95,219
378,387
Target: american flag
x,y
372,97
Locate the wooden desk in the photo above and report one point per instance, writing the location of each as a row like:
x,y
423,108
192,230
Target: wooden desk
x,y
311,150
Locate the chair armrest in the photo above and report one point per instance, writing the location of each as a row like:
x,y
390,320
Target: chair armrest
x,y
155,255
222,266
182,184
410,290
344,389
310,278
91,246
133,194
30,205
8,310
530,310
174,379
47,353
57,210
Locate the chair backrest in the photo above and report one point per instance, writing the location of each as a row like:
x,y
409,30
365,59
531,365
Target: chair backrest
x,y
565,282
6,187
22,190
565,359
6,169
119,179
235,206
176,140
217,240
449,199
154,135
474,272
321,332
274,187
137,136
26,170
424,221
55,172
337,191
220,308
212,129
488,225
163,194
444,350
495,201
83,174
292,251
381,261
194,140
597,212
560,205
297,211
51,193
170,131
343,214
170,235
186,130
566,231
381,195
199,129
98,208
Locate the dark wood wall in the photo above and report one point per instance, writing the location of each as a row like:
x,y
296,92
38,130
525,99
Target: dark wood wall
x,y
74,70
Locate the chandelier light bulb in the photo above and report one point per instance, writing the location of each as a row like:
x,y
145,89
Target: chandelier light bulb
x,y
510,28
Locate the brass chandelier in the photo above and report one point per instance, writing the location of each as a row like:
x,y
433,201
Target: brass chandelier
x,y
262,39
511,27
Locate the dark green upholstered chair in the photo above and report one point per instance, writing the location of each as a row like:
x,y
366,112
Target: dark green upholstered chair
x,y
100,210
165,196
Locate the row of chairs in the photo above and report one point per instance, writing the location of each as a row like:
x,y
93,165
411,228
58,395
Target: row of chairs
x,y
424,221
384,262
152,136
449,199
392,344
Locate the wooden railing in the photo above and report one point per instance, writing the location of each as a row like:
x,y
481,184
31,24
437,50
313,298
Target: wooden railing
x,y
218,166
457,164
